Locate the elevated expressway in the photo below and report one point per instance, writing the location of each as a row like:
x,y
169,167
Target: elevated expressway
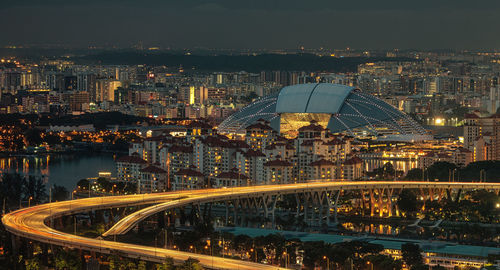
x,y
32,222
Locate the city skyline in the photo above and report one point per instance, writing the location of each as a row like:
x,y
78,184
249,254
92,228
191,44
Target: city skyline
x,y
266,134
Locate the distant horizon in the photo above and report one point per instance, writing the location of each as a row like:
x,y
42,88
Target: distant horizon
x,y
158,48
453,24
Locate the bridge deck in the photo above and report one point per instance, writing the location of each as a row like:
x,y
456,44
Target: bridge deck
x,y
31,222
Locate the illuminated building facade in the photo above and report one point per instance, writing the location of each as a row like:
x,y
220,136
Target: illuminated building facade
x,y
482,136
338,108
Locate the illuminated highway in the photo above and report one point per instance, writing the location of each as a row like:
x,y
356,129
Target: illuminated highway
x,y
127,223
31,222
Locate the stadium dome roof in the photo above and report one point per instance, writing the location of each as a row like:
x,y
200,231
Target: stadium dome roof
x,y
339,108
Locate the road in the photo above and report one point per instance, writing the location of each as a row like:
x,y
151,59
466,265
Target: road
x,y
127,223
31,222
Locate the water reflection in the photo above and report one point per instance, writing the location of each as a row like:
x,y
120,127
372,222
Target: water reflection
x,y
399,165
60,169
372,228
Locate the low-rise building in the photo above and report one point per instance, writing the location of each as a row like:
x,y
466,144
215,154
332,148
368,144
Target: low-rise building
x,y
352,169
278,172
128,168
233,178
189,178
153,179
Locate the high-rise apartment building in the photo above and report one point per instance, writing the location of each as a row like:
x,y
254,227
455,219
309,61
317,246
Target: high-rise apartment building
x,y
482,136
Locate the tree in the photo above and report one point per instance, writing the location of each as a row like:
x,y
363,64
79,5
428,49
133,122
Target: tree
x,y
490,170
33,264
191,264
68,259
385,172
420,267
272,244
339,255
104,184
83,184
389,170
130,265
129,188
51,139
242,243
360,248
169,262
414,174
33,137
11,189
142,265
59,193
313,253
34,188
383,262
411,254
407,201
441,170
167,265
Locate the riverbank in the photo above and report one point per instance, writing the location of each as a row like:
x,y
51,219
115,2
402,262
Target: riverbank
x,y
63,169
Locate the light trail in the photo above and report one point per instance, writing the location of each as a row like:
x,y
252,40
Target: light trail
x,y
31,222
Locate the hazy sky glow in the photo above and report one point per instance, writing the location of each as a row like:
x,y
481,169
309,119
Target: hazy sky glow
x,y
238,24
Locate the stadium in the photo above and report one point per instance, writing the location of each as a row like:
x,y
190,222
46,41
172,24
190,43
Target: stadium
x,y
339,108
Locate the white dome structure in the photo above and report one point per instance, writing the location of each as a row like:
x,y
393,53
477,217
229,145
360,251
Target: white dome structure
x,y
339,108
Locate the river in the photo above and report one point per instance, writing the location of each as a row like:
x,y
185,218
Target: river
x,y
60,169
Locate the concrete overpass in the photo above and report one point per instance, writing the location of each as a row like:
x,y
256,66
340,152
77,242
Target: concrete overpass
x,y
32,222
323,193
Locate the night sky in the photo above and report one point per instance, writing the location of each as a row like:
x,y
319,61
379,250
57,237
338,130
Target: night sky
x,y
234,24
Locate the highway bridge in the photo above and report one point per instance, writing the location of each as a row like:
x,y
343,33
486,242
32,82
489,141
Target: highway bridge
x,y
32,222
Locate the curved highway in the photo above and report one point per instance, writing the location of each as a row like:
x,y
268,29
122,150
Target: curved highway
x,y
31,222
127,223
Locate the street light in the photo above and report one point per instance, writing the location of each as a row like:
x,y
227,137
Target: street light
x,y
29,201
287,258
255,253
327,262
166,235
156,242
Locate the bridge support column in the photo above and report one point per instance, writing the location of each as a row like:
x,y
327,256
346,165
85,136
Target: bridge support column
x,y
246,206
389,206
235,211
297,202
226,221
440,194
380,201
314,205
198,212
372,203
457,198
254,208
268,203
16,244
335,208
305,205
